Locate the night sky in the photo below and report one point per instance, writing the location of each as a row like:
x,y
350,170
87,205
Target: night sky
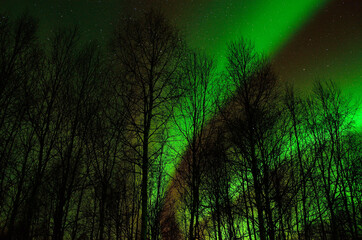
x,y
306,39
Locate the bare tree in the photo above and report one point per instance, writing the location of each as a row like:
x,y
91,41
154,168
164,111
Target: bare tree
x,y
79,91
148,52
218,184
191,116
299,146
46,116
329,118
257,128
85,142
19,61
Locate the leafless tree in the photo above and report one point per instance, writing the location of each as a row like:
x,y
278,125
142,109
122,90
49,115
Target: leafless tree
x,y
19,61
257,128
329,118
191,116
147,52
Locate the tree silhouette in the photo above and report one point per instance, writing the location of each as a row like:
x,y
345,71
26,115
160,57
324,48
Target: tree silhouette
x,y
257,129
148,51
19,65
86,145
192,113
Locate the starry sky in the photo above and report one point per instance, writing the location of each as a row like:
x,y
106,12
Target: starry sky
x,y
306,39
323,38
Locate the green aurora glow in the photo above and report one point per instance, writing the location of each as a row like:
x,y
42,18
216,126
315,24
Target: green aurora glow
x,y
273,25
269,24
211,30
260,21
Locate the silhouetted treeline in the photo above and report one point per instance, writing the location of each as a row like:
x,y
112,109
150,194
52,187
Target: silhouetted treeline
x,y
87,141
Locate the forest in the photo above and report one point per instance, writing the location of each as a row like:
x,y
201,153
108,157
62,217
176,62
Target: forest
x,y
147,138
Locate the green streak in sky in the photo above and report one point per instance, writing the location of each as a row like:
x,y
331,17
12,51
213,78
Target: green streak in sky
x,y
268,24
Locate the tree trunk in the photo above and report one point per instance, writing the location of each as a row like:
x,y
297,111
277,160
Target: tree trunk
x,y
144,194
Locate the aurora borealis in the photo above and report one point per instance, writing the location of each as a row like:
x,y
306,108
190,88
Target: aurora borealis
x,y
305,40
